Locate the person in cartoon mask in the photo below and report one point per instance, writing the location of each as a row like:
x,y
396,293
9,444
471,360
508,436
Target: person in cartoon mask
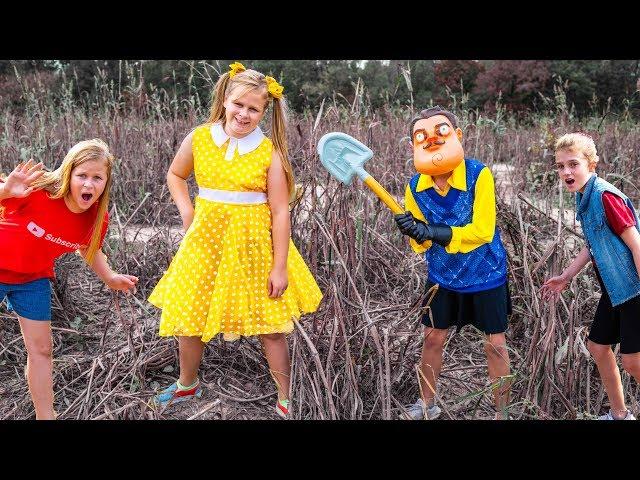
x,y
451,218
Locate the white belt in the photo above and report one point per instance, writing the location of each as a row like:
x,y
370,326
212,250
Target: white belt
x,y
226,196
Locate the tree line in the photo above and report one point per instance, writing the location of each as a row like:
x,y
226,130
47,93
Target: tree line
x,y
518,86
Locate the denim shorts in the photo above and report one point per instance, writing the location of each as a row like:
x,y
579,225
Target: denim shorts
x,y
31,300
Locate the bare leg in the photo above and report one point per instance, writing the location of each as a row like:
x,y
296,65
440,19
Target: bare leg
x,y
631,364
498,366
610,375
191,349
39,371
434,339
277,352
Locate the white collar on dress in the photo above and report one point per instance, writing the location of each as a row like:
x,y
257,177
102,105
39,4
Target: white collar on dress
x,y
244,145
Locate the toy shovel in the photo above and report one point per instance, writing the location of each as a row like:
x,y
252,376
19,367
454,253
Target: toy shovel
x,y
344,157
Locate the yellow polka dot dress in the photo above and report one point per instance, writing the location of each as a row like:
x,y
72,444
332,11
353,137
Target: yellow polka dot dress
x,y
217,281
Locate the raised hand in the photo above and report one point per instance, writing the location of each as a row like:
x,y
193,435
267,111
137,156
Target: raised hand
x,y
18,183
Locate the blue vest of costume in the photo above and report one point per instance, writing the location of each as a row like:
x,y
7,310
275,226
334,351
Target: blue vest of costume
x,y
612,256
481,269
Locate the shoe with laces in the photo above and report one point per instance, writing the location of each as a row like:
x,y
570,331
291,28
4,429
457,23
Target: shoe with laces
x,y
282,408
174,394
417,411
609,416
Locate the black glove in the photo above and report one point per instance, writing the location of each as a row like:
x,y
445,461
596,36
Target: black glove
x,y
404,221
420,231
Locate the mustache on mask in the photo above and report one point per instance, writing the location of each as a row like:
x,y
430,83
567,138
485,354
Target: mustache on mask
x,y
437,142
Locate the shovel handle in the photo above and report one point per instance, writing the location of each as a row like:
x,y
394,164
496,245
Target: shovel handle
x,y
383,195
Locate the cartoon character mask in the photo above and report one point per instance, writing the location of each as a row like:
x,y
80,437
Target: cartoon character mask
x,y
436,145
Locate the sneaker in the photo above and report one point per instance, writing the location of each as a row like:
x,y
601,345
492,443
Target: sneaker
x,y
417,411
609,416
172,394
282,408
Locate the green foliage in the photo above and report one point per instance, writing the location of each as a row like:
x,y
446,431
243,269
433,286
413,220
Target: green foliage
x,y
570,88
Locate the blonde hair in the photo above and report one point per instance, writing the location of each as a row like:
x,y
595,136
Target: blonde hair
x,y
579,142
236,87
58,182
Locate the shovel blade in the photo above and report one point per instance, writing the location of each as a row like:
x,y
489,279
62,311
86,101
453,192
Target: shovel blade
x,y
343,155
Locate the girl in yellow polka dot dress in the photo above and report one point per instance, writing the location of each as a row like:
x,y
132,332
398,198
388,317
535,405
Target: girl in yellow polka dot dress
x,y
237,272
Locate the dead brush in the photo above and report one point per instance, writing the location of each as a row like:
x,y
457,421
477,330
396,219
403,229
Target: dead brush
x,y
356,357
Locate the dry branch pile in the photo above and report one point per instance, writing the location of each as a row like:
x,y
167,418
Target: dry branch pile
x,y
356,357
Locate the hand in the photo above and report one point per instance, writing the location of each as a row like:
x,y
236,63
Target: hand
x,y
404,221
554,286
122,282
18,183
187,220
411,226
278,282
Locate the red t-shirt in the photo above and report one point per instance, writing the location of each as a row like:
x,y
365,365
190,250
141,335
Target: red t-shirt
x,y
619,215
36,230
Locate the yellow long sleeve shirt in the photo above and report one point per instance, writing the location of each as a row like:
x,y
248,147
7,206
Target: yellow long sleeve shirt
x,y
482,227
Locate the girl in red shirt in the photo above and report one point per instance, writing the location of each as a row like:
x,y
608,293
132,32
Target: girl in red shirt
x,y
42,216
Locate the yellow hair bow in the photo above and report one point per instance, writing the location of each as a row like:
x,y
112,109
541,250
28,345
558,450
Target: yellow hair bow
x,y
236,67
274,88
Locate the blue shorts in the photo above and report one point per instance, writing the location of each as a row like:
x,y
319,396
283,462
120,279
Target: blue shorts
x,y
30,300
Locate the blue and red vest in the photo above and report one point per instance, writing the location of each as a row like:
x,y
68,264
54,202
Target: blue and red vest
x,y
611,255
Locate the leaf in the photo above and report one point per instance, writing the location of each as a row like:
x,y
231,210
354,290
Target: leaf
x,y
319,116
562,351
582,346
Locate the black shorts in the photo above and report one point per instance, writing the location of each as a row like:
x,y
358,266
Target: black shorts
x,y
487,310
620,324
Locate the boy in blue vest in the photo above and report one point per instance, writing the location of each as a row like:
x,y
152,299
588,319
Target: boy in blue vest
x,y
610,226
451,218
